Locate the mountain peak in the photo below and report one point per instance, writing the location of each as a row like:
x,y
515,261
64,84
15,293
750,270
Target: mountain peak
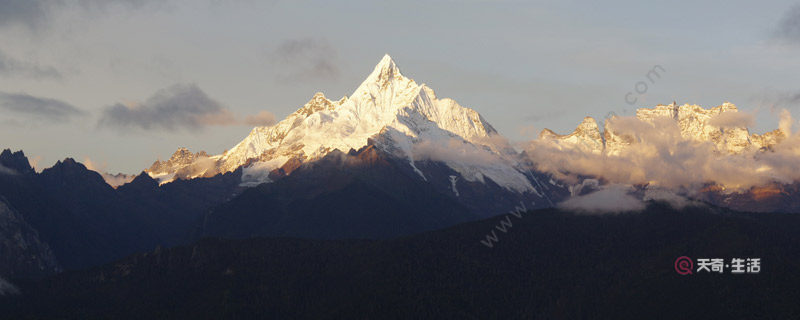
x,y
402,118
184,153
16,161
386,61
69,163
385,70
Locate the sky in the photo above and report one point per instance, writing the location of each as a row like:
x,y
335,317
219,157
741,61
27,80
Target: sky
x,y
122,83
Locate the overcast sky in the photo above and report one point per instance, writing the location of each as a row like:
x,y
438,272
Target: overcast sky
x,y
202,73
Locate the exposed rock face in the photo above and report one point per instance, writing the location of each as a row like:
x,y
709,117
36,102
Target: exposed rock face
x,y
768,139
183,163
586,137
22,253
693,122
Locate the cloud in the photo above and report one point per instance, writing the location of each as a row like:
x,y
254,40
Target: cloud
x,y
172,108
527,131
660,156
39,108
178,107
114,180
29,13
610,199
786,99
7,170
789,26
306,59
453,150
263,118
732,120
36,15
14,67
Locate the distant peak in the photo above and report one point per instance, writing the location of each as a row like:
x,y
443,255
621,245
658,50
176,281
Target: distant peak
x,y
68,163
318,102
180,153
318,95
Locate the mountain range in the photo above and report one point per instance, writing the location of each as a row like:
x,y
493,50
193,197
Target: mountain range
x,y
694,123
390,160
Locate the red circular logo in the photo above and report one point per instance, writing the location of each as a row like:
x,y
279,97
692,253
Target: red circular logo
x,y
684,265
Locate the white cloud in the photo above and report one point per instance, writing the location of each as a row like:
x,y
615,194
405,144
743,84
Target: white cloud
x,y
609,199
114,180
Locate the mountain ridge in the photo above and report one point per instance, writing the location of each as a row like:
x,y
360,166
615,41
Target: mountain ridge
x,y
694,123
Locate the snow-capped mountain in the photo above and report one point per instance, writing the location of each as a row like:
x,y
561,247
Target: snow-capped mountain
x,y
399,116
694,123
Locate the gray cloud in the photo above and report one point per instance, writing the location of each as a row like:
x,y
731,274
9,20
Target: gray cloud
x,y
178,107
789,99
39,108
173,108
306,59
29,13
789,25
13,67
38,14
776,100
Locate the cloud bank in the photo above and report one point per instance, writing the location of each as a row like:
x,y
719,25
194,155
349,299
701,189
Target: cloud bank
x,y
610,199
178,107
37,15
39,108
263,118
661,157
